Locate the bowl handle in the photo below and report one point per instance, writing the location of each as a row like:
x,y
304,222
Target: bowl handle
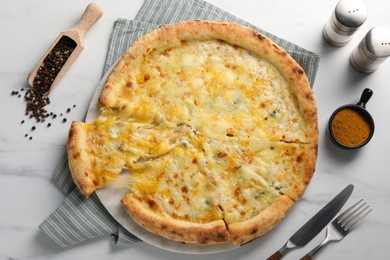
x,y
366,95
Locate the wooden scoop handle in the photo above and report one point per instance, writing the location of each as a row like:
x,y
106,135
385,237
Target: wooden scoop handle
x,y
92,13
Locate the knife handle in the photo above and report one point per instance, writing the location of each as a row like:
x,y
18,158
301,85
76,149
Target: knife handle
x,y
275,256
306,257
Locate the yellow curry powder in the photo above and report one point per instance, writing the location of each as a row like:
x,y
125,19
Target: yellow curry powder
x,y
350,127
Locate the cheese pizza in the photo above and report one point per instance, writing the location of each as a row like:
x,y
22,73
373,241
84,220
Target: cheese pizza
x,y
217,126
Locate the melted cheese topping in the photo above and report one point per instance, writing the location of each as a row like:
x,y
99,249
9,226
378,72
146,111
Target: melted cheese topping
x,y
201,128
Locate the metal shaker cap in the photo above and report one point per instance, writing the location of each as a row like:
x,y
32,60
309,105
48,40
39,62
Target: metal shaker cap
x,y
378,41
350,14
345,20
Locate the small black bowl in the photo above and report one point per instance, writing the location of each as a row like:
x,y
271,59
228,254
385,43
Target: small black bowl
x,y
361,108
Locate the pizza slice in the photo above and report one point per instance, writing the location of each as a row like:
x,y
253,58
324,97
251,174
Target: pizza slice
x,y
260,180
179,201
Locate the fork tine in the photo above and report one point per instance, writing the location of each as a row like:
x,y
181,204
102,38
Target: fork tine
x,y
343,215
358,218
351,215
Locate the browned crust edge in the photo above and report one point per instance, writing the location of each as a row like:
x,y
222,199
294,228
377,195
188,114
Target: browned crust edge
x,y
79,158
243,232
307,162
208,233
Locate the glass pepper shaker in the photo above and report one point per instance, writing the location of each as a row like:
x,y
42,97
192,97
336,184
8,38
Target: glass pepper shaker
x,y
345,20
372,50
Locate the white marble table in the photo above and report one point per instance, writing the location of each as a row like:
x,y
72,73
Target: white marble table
x,y
28,195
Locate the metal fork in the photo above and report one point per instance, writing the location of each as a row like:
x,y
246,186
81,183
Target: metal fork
x,y
342,225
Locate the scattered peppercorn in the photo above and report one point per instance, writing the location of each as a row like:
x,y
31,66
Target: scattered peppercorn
x,y
54,116
30,138
74,106
33,128
49,124
68,110
36,103
25,135
64,120
22,122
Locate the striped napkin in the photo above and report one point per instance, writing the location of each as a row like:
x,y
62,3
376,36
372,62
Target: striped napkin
x,y
77,218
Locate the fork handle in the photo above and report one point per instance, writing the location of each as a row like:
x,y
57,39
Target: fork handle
x,y
315,250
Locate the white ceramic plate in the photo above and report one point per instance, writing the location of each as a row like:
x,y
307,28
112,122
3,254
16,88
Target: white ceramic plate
x,y
111,195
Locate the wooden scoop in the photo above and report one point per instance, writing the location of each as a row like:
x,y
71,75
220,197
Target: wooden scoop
x,y
70,40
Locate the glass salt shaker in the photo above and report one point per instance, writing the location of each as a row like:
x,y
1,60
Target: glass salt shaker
x,y
345,20
373,49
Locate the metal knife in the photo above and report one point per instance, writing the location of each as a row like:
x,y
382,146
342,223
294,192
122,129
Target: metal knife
x,y
309,230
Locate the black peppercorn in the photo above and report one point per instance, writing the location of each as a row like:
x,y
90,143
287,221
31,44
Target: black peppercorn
x,y
52,64
35,104
64,120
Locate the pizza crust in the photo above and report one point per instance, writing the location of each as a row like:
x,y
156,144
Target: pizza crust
x,y
243,232
79,158
306,161
143,213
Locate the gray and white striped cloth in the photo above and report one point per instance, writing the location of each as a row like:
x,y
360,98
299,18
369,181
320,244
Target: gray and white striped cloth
x,y
78,219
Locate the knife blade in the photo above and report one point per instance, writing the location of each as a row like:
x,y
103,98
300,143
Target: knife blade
x,y
311,228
